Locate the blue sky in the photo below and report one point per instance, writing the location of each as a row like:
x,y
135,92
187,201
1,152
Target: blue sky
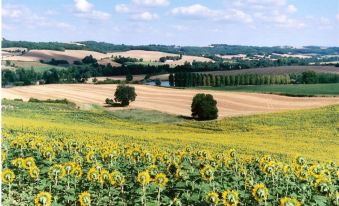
x,y
180,22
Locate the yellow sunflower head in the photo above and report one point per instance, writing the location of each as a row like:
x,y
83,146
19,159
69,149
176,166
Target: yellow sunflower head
x,y
207,173
34,172
85,199
77,172
144,178
322,184
19,162
93,175
57,171
104,176
43,199
260,192
287,201
29,162
173,169
7,176
116,178
161,180
230,198
212,198
90,157
69,166
153,170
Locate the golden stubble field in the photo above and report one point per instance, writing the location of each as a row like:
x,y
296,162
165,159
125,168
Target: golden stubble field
x,y
173,101
75,55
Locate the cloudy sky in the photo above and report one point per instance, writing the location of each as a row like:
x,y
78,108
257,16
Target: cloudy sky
x,y
180,22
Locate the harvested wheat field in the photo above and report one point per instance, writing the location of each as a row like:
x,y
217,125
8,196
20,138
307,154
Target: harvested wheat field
x,y
47,55
174,101
154,56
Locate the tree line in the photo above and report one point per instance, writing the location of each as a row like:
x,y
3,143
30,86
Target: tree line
x,y
189,79
222,49
88,67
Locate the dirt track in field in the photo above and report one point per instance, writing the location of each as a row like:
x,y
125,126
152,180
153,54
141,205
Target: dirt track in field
x,y
175,101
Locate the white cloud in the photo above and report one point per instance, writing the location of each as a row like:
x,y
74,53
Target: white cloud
x,y
337,17
196,10
237,15
83,5
152,2
121,8
85,10
13,11
95,15
200,11
19,16
145,16
291,8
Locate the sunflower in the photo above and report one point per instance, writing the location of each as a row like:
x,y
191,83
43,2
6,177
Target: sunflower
x,y
287,201
77,172
116,178
153,171
34,172
230,198
299,160
212,198
78,159
29,162
43,199
207,173
302,174
85,199
19,162
57,171
69,166
7,176
232,153
48,153
173,169
260,192
315,170
93,174
322,184
90,156
161,180
144,178
104,176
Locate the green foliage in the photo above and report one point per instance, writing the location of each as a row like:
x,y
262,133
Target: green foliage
x,y
124,60
129,77
204,107
157,82
288,90
59,101
171,79
124,94
89,60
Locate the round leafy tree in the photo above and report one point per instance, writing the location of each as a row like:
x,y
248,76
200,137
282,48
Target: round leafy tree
x,y
124,94
204,107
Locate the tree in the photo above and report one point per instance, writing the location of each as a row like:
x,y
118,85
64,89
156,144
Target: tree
x,y
309,77
204,107
171,80
157,82
124,94
129,77
89,60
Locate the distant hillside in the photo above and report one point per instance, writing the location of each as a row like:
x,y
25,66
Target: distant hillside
x,y
214,49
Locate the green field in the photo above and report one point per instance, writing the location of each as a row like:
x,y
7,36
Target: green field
x,y
311,133
289,90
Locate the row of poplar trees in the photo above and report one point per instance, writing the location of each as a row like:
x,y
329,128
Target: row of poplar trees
x,y
188,79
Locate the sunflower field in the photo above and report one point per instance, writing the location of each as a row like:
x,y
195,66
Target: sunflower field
x,y
56,155
61,171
